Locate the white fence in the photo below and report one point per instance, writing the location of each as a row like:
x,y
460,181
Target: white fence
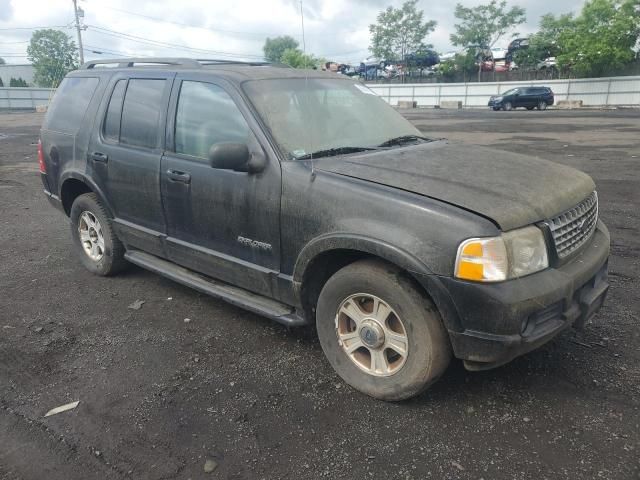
x,y
614,91
19,98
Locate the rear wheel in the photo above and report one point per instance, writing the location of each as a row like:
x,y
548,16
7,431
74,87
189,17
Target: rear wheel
x,y
542,106
508,106
380,332
100,251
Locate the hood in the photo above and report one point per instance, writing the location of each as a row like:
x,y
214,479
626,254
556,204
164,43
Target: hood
x,y
511,189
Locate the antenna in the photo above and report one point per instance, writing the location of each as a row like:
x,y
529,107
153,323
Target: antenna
x,y
306,75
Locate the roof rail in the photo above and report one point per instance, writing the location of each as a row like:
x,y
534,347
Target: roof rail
x,y
168,61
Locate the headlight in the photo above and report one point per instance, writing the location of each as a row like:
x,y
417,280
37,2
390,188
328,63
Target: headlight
x,y
497,99
511,255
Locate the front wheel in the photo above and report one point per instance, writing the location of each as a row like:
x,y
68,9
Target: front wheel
x,y
380,333
99,249
508,106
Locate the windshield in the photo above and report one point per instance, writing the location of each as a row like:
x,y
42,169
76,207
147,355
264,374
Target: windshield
x,y
510,92
317,114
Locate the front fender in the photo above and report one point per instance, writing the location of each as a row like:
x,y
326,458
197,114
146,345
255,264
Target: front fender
x,y
417,269
361,243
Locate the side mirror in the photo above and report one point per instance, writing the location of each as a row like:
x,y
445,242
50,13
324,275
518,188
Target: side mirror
x,y
235,156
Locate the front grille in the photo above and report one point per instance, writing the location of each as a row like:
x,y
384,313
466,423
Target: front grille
x,y
571,229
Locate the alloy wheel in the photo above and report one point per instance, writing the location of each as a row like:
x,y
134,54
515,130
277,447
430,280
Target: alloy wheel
x,y
372,334
91,236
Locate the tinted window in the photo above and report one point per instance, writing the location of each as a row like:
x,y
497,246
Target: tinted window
x,y
206,115
112,119
141,112
70,103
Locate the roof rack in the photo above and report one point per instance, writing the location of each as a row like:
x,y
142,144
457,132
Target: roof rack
x,y
168,61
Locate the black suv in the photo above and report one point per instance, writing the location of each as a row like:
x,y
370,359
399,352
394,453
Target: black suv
x,y
528,97
304,197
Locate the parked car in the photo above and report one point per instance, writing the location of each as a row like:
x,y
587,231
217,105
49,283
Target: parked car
x,y
304,197
517,44
501,66
528,97
549,62
447,56
425,59
499,53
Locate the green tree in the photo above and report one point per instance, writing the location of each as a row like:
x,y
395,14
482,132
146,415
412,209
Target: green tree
x,y
459,67
602,38
274,47
53,55
296,58
544,43
484,25
17,82
400,31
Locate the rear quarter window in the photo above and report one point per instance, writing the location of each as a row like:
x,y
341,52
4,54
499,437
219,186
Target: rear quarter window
x,y
70,103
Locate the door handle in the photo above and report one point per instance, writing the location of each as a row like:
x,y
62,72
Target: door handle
x,y
99,157
178,176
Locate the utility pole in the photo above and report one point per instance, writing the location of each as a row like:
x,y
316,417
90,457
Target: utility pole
x,y
79,29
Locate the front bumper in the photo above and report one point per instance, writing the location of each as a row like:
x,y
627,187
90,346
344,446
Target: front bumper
x,y
495,104
504,320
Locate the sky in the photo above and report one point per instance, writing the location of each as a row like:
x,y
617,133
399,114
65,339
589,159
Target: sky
x,y
232,29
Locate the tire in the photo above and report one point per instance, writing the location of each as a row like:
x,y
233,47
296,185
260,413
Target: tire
x,y
507,107
542,105
95,242
427,351
529,108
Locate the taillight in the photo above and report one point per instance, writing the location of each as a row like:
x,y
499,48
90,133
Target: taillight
x,y
43,167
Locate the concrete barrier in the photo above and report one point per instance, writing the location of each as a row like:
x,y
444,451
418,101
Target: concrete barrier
x,y
569,104
407,104
451,104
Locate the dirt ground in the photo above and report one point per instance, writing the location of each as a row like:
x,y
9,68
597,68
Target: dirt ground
x,y
159,396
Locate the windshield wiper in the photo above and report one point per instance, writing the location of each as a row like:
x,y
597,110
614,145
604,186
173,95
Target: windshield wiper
x,y
403,139
330,152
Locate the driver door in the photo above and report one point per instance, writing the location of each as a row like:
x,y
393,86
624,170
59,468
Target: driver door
x,y
223,223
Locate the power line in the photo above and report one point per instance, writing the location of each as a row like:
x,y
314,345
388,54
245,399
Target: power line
x,y
93,48
235,32
33,28
142,40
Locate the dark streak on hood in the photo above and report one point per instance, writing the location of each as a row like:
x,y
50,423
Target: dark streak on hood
x,y
511,189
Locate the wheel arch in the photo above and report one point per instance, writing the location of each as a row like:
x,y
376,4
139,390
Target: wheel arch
x,y
74,184
324,256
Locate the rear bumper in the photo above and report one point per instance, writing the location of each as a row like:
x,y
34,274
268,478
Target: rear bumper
x,y
54,200
503,321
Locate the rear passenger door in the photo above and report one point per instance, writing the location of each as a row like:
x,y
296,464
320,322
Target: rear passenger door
x,y
223,223
529,98
125,155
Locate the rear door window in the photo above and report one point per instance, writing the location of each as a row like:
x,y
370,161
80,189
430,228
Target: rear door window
x,y
69,105
141,112
206,115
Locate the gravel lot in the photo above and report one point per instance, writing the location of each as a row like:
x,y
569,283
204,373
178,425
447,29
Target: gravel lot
x,y
159,396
